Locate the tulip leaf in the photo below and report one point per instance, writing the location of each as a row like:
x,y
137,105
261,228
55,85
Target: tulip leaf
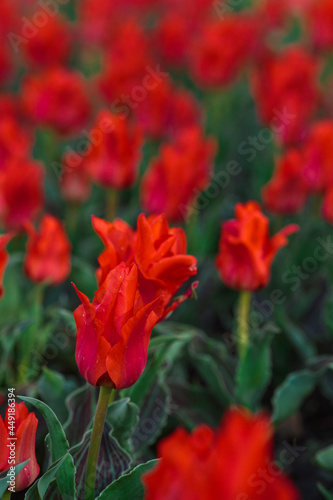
x,y
122,416
4,476
324,458
326,494
81,405
128,486
113,461
53,388
58,447
40,487
254,371
290,395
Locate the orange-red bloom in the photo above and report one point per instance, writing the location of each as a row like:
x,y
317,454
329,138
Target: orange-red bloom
x,y
246,250
223,49
48,257
228,464
115,151
319,20
24,426
113,332
176,178
58,99
285,87
21,192
318,156
287,192
158,251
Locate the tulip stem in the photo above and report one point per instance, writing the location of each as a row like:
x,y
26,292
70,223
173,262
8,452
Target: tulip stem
x,y
111,204
243,330
6,495
106,395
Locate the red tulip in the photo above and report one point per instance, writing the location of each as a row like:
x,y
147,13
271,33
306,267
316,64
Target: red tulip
x,y
21,192
318,156
15,142
286,90
23,425
228,464
113,158
319,20
58,99
50,45
48,257
223,49
4,257
158,251
246,250
113,332
175,179
287,192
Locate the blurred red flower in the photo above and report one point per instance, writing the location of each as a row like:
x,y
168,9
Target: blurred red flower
x,y
318,153
15,141
48,257
57,98
158,251
21,192
319,20
175,179
246,250
236,461
113,332
115,151
50,45
222,49
24,425
286,90
287,192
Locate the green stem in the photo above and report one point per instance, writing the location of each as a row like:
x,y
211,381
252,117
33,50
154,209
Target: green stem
x,y
111,204
72,216
106,395
6,495
243,322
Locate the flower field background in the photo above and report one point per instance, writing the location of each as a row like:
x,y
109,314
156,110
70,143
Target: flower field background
x,y
166,249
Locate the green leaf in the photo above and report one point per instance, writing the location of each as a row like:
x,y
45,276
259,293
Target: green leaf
x,y
53,388
81,405
290,395
58,447
39,488
113,461
122,416
326,494
4,477
254,371
128,486
324,458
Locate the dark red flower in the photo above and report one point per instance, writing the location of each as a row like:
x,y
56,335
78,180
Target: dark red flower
x,y
175,179
246,249
113,160
285,87
48,257
74,182
318,17
226,464
15,141
57,98
21,192
4,257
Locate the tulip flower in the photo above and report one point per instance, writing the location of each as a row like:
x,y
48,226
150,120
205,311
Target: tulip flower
x,y
158,251
48,257
113,158
176,178
74,182
15,141
225,464
57,99
318,17
21,192
286,90
19,427
113,331
246,249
